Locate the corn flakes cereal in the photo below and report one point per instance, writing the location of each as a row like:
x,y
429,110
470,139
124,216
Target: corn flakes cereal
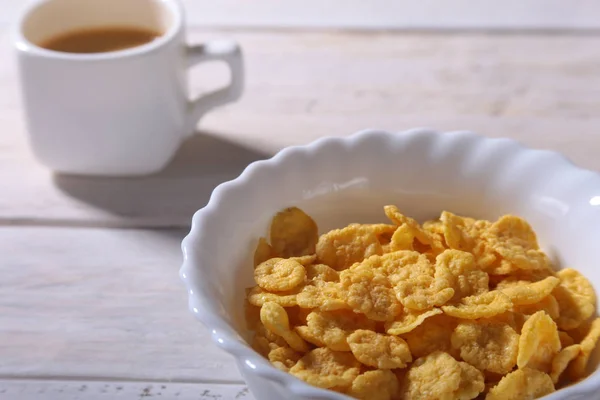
x,y
333,327
578,369
375,385
373,297
378,350
561,361
279,275
263,252
438,376
539,342
409,320
275,319
258,296
467,280
340,248
284,358
576,298
487,345
432,335
527,293
327,296
485,305
369,292
326,368
293,233
422,286
522,384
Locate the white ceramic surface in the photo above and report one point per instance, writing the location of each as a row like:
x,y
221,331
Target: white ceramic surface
x,y
343,180
115,113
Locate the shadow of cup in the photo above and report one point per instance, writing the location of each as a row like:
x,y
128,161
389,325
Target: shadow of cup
x,y
169,198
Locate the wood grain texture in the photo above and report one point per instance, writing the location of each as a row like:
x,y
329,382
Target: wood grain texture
x,y
100,304
102,390
540,89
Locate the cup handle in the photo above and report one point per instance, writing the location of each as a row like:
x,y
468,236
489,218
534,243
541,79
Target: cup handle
x,y
219,50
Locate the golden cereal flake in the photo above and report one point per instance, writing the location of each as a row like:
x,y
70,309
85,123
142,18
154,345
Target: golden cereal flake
x,y
321,273
549,304
258,296
459,232
279,275
467,280
578,368
293,233
527,293
327,369
409,320
375,385
263,252
522,384
562,360
576,298
422,286
471,382
432,335
333,327
284,358
487,345
485,305
326,296
539,342
275,319
438,376
340,248
402,239
368,291
378,350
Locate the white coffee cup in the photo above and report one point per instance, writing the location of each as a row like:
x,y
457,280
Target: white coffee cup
x,y
121,113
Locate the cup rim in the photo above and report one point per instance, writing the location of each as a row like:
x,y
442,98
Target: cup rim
x,y
22,44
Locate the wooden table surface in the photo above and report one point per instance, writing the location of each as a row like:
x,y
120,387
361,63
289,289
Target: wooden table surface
x,y
91,306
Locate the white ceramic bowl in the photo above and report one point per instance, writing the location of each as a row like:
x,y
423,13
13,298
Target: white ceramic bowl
x,y
342,180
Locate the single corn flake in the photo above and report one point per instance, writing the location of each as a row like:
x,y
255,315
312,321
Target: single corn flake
x,y
257,296
485,305
263,252
378,350
527,293
467,280
458,231
438,376
279,275
576,299
539,342
284,358
333,327
327,369
275,319
305,333
578,369
375,385
487,345
522,384
548,304
321,273
432,335
368,291
293,233
340,248
409,320
419,233
562,360
402,239
422,286
326,296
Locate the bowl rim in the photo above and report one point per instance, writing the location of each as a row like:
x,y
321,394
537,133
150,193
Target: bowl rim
x,y
229,341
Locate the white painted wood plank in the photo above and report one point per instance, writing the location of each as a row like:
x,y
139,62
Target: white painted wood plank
x,y
100,304
378,14
100,390
540,89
